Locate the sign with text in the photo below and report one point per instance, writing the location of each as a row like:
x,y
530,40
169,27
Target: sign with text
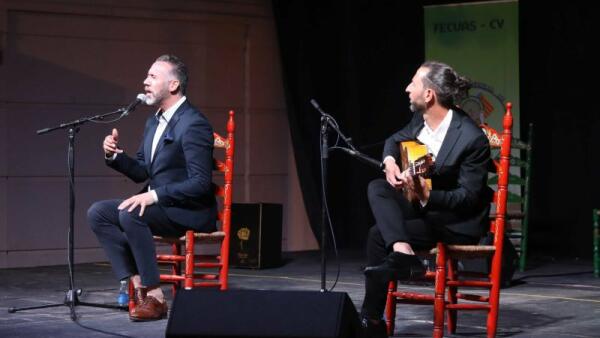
x,y
480,41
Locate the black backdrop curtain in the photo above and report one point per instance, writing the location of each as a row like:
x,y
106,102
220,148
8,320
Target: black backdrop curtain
x,y
559,83
356,57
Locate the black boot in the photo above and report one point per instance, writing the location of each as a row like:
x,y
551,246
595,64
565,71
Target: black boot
x,y
397,266
373,329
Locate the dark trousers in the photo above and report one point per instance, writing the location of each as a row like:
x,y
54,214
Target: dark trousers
x,y
398,220
127,238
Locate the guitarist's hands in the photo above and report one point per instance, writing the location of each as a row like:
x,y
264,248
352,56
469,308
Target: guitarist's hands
x,y
419,187
393,174
416,186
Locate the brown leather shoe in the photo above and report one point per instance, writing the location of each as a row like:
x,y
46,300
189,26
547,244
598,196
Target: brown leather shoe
x,y
149,309
139,294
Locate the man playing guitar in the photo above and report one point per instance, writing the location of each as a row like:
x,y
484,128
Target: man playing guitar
x,y
452,208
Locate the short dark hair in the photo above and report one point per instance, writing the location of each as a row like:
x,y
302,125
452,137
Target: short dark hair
x,y
446,83
179,69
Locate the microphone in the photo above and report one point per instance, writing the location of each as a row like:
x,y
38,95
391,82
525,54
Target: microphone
x,y
317,107
141,98
363,157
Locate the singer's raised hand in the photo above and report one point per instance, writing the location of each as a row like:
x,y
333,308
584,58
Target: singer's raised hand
x,y
111,143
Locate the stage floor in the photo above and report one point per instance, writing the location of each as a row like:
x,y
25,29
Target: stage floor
x,y
553,298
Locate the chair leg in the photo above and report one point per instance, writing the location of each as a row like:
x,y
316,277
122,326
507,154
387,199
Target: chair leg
x,y
452,275
224,269
492,318
189,260
390,308
440,288
495,277
175,268
596,237
131,291
224,258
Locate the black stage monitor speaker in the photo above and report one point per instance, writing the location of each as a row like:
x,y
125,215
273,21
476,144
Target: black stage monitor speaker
x,y
255,240
262,314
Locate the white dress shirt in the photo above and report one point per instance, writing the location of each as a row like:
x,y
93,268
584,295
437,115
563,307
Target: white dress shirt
x,y
433,139
163,119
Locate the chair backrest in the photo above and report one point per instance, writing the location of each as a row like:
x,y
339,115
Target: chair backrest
x,y
503,142
498,221
519,197
503,170
519,204
225,191
226,168
519,162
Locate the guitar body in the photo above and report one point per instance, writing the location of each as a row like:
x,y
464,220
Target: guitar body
x,y
415,157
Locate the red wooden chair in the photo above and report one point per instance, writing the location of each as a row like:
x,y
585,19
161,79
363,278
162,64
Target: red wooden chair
x,y
203,270
448,279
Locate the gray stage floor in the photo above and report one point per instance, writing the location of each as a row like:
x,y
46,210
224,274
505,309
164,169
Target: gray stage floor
x,y
554,298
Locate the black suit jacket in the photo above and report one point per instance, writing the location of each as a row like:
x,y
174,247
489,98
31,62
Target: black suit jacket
x,y
460,197
181,171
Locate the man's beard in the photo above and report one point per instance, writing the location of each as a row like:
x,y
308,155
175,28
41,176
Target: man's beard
x,y
150,100
156,98
416,108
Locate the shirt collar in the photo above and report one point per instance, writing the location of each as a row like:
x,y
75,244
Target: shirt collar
x,y
167,114
443,127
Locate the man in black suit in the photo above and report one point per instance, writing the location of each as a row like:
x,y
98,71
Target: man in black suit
x,y
454,210
175,161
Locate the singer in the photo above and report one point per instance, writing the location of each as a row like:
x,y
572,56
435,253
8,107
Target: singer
x,y
175,161
454,210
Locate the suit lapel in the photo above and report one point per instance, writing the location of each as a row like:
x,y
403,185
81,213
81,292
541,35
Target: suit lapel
x,y
452,135
148,141
172,122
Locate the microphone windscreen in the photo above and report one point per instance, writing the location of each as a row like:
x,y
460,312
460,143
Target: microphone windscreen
x,y
315,104
142,97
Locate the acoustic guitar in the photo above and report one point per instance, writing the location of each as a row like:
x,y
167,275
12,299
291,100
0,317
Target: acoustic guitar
x,y
418,161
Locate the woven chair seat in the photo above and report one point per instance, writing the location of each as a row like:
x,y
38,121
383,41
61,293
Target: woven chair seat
x,y
467,251
201,237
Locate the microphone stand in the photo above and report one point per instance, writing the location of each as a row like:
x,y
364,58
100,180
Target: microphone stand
x,y
71,297
326,122
324,156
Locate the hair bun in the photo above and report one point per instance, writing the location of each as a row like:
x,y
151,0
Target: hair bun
x,y
462,85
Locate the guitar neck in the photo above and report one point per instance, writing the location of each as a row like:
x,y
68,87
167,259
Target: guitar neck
x,y
412,169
